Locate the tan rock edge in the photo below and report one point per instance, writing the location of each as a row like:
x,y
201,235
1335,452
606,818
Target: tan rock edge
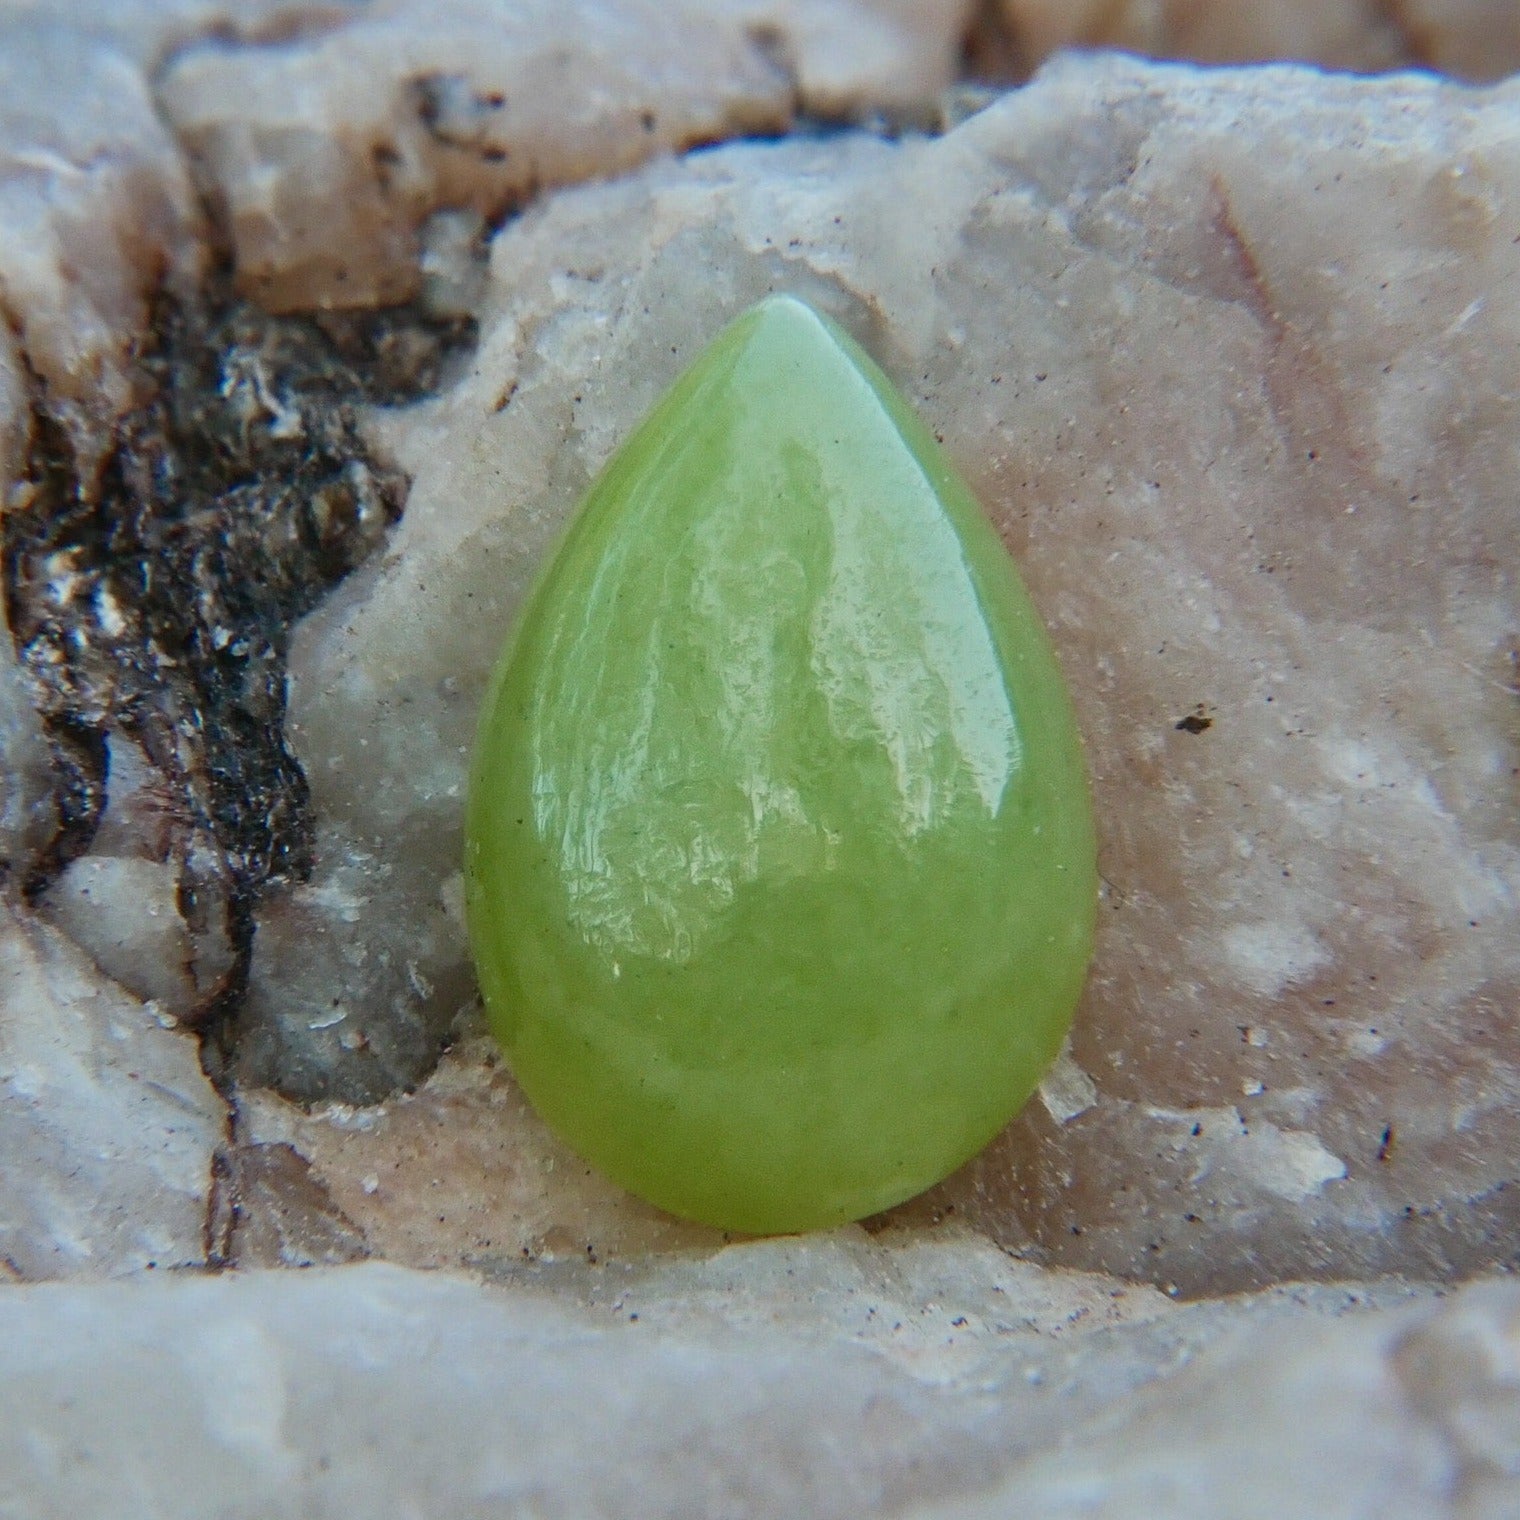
x,y
905,1387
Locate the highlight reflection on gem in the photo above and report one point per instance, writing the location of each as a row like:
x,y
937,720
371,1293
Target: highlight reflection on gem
x,y
779,854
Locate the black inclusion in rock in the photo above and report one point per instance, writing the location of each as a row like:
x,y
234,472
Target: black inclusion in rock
x,y
157,599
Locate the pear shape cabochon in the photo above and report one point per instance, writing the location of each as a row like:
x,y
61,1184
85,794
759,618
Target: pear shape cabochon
x,y
779,852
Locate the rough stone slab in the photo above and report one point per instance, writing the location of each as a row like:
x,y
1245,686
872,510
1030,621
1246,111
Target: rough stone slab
x,y
326,156
107,1124
1228,357
372,1389
1407,1417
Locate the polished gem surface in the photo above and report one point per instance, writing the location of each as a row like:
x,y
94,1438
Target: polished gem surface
x,y
780,858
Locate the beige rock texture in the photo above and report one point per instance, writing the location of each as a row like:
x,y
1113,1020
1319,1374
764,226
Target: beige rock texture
x,y
901,1389
1472,39
1242,418
123,911
460,1173
1477,39
325,156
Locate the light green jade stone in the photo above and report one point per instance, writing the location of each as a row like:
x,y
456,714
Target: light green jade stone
x,y
780,857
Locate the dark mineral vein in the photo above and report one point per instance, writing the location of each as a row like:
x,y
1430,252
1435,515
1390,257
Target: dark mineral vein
x,y
158,600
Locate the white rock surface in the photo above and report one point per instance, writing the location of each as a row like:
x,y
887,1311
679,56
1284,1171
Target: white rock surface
x,y
97,209
148,32
373,1390
327,155
122,911
120,900
96,212
107,1125
1408,1417
1226,357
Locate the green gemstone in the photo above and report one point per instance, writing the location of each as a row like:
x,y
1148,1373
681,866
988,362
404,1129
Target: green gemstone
x,y
780,857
